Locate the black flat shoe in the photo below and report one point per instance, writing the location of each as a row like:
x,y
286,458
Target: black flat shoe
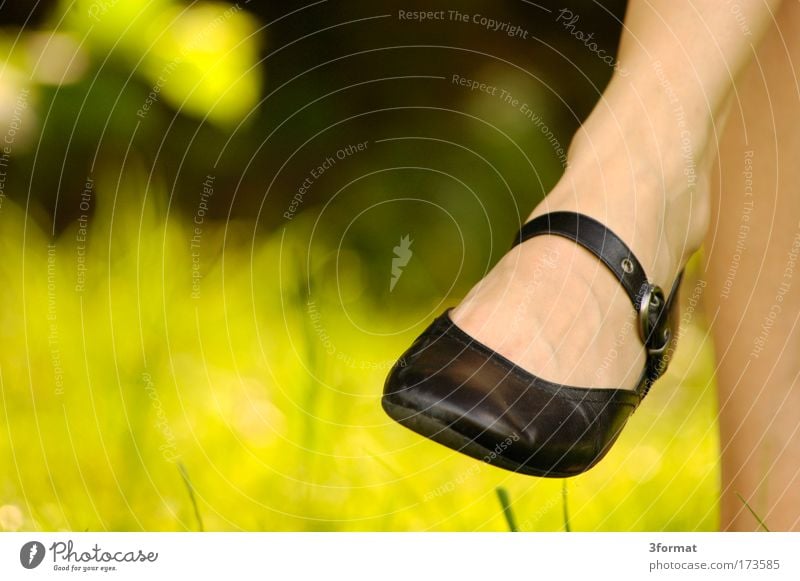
x,y
455,390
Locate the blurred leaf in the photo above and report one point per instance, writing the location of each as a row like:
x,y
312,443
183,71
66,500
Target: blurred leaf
x,y
203,60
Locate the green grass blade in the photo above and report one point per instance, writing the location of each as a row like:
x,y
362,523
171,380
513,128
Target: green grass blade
x,y
755,516
567,527
190,490
505,503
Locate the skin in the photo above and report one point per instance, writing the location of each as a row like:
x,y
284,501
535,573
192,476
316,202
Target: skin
x,y
653,162
759,390
627,169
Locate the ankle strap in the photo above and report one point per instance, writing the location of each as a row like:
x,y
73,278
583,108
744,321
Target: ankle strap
x,y
598,240
654,309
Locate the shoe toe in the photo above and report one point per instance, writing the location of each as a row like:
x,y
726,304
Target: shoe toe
x,y
454,390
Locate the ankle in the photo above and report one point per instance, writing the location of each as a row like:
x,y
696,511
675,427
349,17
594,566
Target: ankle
x,y
651,190
663,127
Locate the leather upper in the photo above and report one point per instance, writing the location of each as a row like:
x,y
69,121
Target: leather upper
x,y
465,386
453,389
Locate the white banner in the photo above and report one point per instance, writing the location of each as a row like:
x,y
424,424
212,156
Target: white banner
x,y
400,556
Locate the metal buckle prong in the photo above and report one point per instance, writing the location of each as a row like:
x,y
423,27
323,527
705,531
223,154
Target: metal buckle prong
x,y
650,310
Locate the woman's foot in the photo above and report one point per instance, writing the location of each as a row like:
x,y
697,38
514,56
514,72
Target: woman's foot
x,y
552,307
639,165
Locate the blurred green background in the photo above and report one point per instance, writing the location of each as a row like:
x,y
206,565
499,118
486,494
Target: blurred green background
x,y
197,310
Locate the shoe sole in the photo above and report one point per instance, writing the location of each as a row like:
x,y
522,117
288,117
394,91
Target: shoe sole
x,y
442,433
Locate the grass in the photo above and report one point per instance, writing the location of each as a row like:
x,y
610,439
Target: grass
x,y
505,503
274,413
759,520
190,491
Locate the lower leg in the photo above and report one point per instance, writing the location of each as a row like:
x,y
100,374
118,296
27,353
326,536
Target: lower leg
x,y
753,300
641,165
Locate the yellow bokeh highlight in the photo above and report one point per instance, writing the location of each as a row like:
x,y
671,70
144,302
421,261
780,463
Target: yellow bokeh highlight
x,y
200,58
205,60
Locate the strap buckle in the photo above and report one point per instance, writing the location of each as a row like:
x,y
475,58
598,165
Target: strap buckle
x,y
653,327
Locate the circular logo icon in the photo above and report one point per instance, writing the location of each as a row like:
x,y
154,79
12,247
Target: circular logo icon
x,y
31,554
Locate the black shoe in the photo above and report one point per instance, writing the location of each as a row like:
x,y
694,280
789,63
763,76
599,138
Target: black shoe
x,y
455,390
